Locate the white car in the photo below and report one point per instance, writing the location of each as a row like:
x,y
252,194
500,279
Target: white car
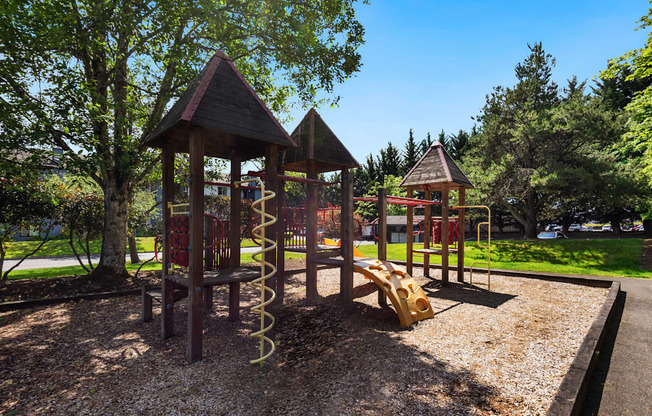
x,y
575,227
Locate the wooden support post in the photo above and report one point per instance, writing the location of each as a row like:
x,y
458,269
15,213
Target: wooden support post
x,y
311,234
236,208
209,259
461,230
382,236
271,183
280,232
347,235
444,234
427,225
167,286
146,302
409,229
208,299
234,301
196,278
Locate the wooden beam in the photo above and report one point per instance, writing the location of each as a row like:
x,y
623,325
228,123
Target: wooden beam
x,y
426,233
196,283
271,183
346,272
167,289
311,234
236,208
409,231
444,234
460,242
382,236
280,232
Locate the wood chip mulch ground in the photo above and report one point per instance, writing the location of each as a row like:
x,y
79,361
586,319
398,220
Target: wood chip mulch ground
x,y
503,351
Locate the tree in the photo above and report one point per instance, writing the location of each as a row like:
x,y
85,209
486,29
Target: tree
x,y
389,161
369,210
24,204
636,67
95,78
425,145
532,137
410,154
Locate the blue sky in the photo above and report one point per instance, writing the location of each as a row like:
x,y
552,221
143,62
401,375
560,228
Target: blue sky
x,y
429,64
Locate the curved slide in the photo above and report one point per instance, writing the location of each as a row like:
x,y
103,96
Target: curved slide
x,y
409,300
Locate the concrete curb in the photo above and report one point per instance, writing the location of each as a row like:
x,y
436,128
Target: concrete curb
x,y
574,387
29,303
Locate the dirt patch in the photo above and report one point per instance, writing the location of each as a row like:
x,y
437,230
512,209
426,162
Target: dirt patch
x,y
503,351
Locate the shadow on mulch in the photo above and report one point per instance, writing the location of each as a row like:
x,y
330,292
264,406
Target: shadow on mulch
x,y
98,357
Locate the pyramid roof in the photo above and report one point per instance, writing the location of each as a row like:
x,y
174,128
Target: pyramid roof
x,y
229,112
316,141
436,168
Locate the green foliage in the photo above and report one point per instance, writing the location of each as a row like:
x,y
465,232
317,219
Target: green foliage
x,y
24,203
369,210
539,146
95,78
635,67
410,154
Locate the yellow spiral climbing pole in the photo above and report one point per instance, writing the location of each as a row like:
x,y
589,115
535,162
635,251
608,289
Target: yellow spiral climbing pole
x,y
266,245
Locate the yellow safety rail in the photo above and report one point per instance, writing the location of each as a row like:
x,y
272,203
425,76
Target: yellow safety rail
x,y
259,233
488,246
172,207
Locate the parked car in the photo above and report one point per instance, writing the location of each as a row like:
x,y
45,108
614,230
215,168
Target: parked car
x,y
551,235
606,228
575,227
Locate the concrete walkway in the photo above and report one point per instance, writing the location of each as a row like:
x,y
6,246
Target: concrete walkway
x,y
62,261
622,381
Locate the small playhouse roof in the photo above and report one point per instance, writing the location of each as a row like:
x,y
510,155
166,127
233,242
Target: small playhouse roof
x,y
316,141
231,115
436,168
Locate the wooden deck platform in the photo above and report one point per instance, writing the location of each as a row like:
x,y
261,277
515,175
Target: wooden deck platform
x,y
221,277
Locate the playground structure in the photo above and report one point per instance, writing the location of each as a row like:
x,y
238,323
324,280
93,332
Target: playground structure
x,y
221,116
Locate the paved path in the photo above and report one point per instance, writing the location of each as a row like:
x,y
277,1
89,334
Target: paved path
x,y
622,382
43,262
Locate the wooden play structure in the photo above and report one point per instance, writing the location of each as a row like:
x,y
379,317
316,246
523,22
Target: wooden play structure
x,y
220,115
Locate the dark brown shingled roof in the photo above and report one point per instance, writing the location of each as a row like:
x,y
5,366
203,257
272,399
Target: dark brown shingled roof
x,y
230,113
435,168
324,148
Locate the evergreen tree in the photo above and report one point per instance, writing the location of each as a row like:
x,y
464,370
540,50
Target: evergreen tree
x,y
425,145
410,155
389,161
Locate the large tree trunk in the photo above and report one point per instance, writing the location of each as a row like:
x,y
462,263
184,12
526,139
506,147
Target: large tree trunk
x,y
531,216
133,249
111,267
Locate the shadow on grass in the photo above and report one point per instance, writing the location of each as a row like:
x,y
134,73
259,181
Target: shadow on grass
x,y
98,357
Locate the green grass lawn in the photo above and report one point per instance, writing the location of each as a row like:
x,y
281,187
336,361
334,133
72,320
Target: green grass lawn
x,y
61,247
593,257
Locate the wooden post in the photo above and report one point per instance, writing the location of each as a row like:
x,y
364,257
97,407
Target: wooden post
x,y
382,223
236,208
280,232
346,273
444,234
311,234
167,289
426,233
382,236
460,242
196,279
209,260
271,183
409,229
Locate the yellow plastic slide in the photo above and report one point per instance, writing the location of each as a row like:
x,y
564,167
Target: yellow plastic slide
x,y
407,297
338,243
